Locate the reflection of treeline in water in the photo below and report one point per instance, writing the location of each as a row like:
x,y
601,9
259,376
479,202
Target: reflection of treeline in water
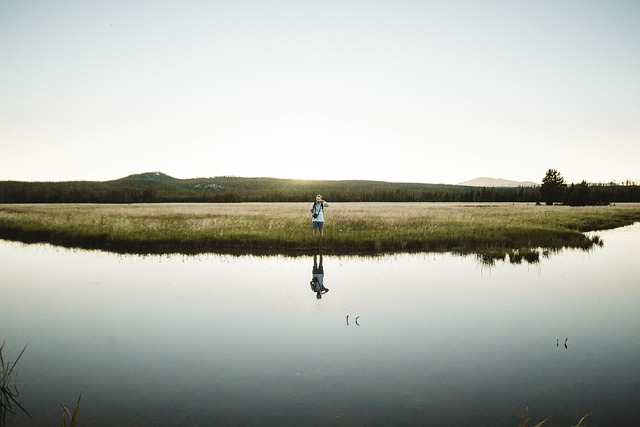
x,y
158,187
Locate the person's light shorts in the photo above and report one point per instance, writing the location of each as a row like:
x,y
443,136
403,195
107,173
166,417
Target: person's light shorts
x,y
317,225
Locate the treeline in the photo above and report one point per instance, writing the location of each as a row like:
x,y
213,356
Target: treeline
x,y
554,189
158,187
584,194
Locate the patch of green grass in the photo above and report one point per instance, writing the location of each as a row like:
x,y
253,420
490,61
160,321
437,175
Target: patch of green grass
x,y
519,231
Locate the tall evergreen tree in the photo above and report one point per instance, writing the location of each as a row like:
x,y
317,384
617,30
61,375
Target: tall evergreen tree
x,y
553,187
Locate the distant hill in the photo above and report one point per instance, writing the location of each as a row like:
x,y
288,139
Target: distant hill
x,y
497,182
148,176
152,187
157,187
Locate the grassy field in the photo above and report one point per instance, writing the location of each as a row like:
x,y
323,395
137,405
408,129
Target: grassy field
x,y
489,230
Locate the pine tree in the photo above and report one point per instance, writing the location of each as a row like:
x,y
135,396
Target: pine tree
x,y
553,187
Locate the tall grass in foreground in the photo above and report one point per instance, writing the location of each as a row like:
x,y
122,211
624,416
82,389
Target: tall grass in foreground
x,y
8,386
9,393
492,231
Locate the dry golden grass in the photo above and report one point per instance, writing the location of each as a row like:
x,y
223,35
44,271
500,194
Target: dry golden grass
x,y
492,229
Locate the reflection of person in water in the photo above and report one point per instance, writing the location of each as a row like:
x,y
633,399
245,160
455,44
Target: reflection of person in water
x,y
317,279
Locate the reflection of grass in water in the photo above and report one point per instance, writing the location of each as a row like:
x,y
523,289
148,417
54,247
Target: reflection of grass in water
x,y
8,386
492,231
530,255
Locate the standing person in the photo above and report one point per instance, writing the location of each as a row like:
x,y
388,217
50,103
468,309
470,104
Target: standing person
x,y
317,216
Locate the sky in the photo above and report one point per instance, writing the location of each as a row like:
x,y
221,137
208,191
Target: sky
x,y
390,90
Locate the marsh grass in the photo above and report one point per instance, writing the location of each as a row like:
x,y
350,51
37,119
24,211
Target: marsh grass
x,y
73,417
526,419
8,386
517,231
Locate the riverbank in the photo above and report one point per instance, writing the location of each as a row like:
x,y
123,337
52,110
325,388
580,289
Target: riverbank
x,y
491,230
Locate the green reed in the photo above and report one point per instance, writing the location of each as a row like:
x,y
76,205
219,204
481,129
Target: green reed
x,y
8,386
9,393
73,417
526,419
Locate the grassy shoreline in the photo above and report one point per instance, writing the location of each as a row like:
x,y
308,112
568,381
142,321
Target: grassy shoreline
x,y
491,230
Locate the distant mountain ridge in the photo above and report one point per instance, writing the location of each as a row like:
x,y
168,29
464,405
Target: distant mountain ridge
x,y
154,187
497,182
157,187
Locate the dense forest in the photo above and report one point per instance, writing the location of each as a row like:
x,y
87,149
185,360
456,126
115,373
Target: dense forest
x,y
157,187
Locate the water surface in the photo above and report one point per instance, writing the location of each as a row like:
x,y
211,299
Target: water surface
x,y
439,339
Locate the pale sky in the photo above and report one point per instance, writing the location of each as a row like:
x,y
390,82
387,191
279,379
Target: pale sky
x,y
391,90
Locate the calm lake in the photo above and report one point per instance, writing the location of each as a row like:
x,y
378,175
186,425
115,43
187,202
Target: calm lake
x,y
415,339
